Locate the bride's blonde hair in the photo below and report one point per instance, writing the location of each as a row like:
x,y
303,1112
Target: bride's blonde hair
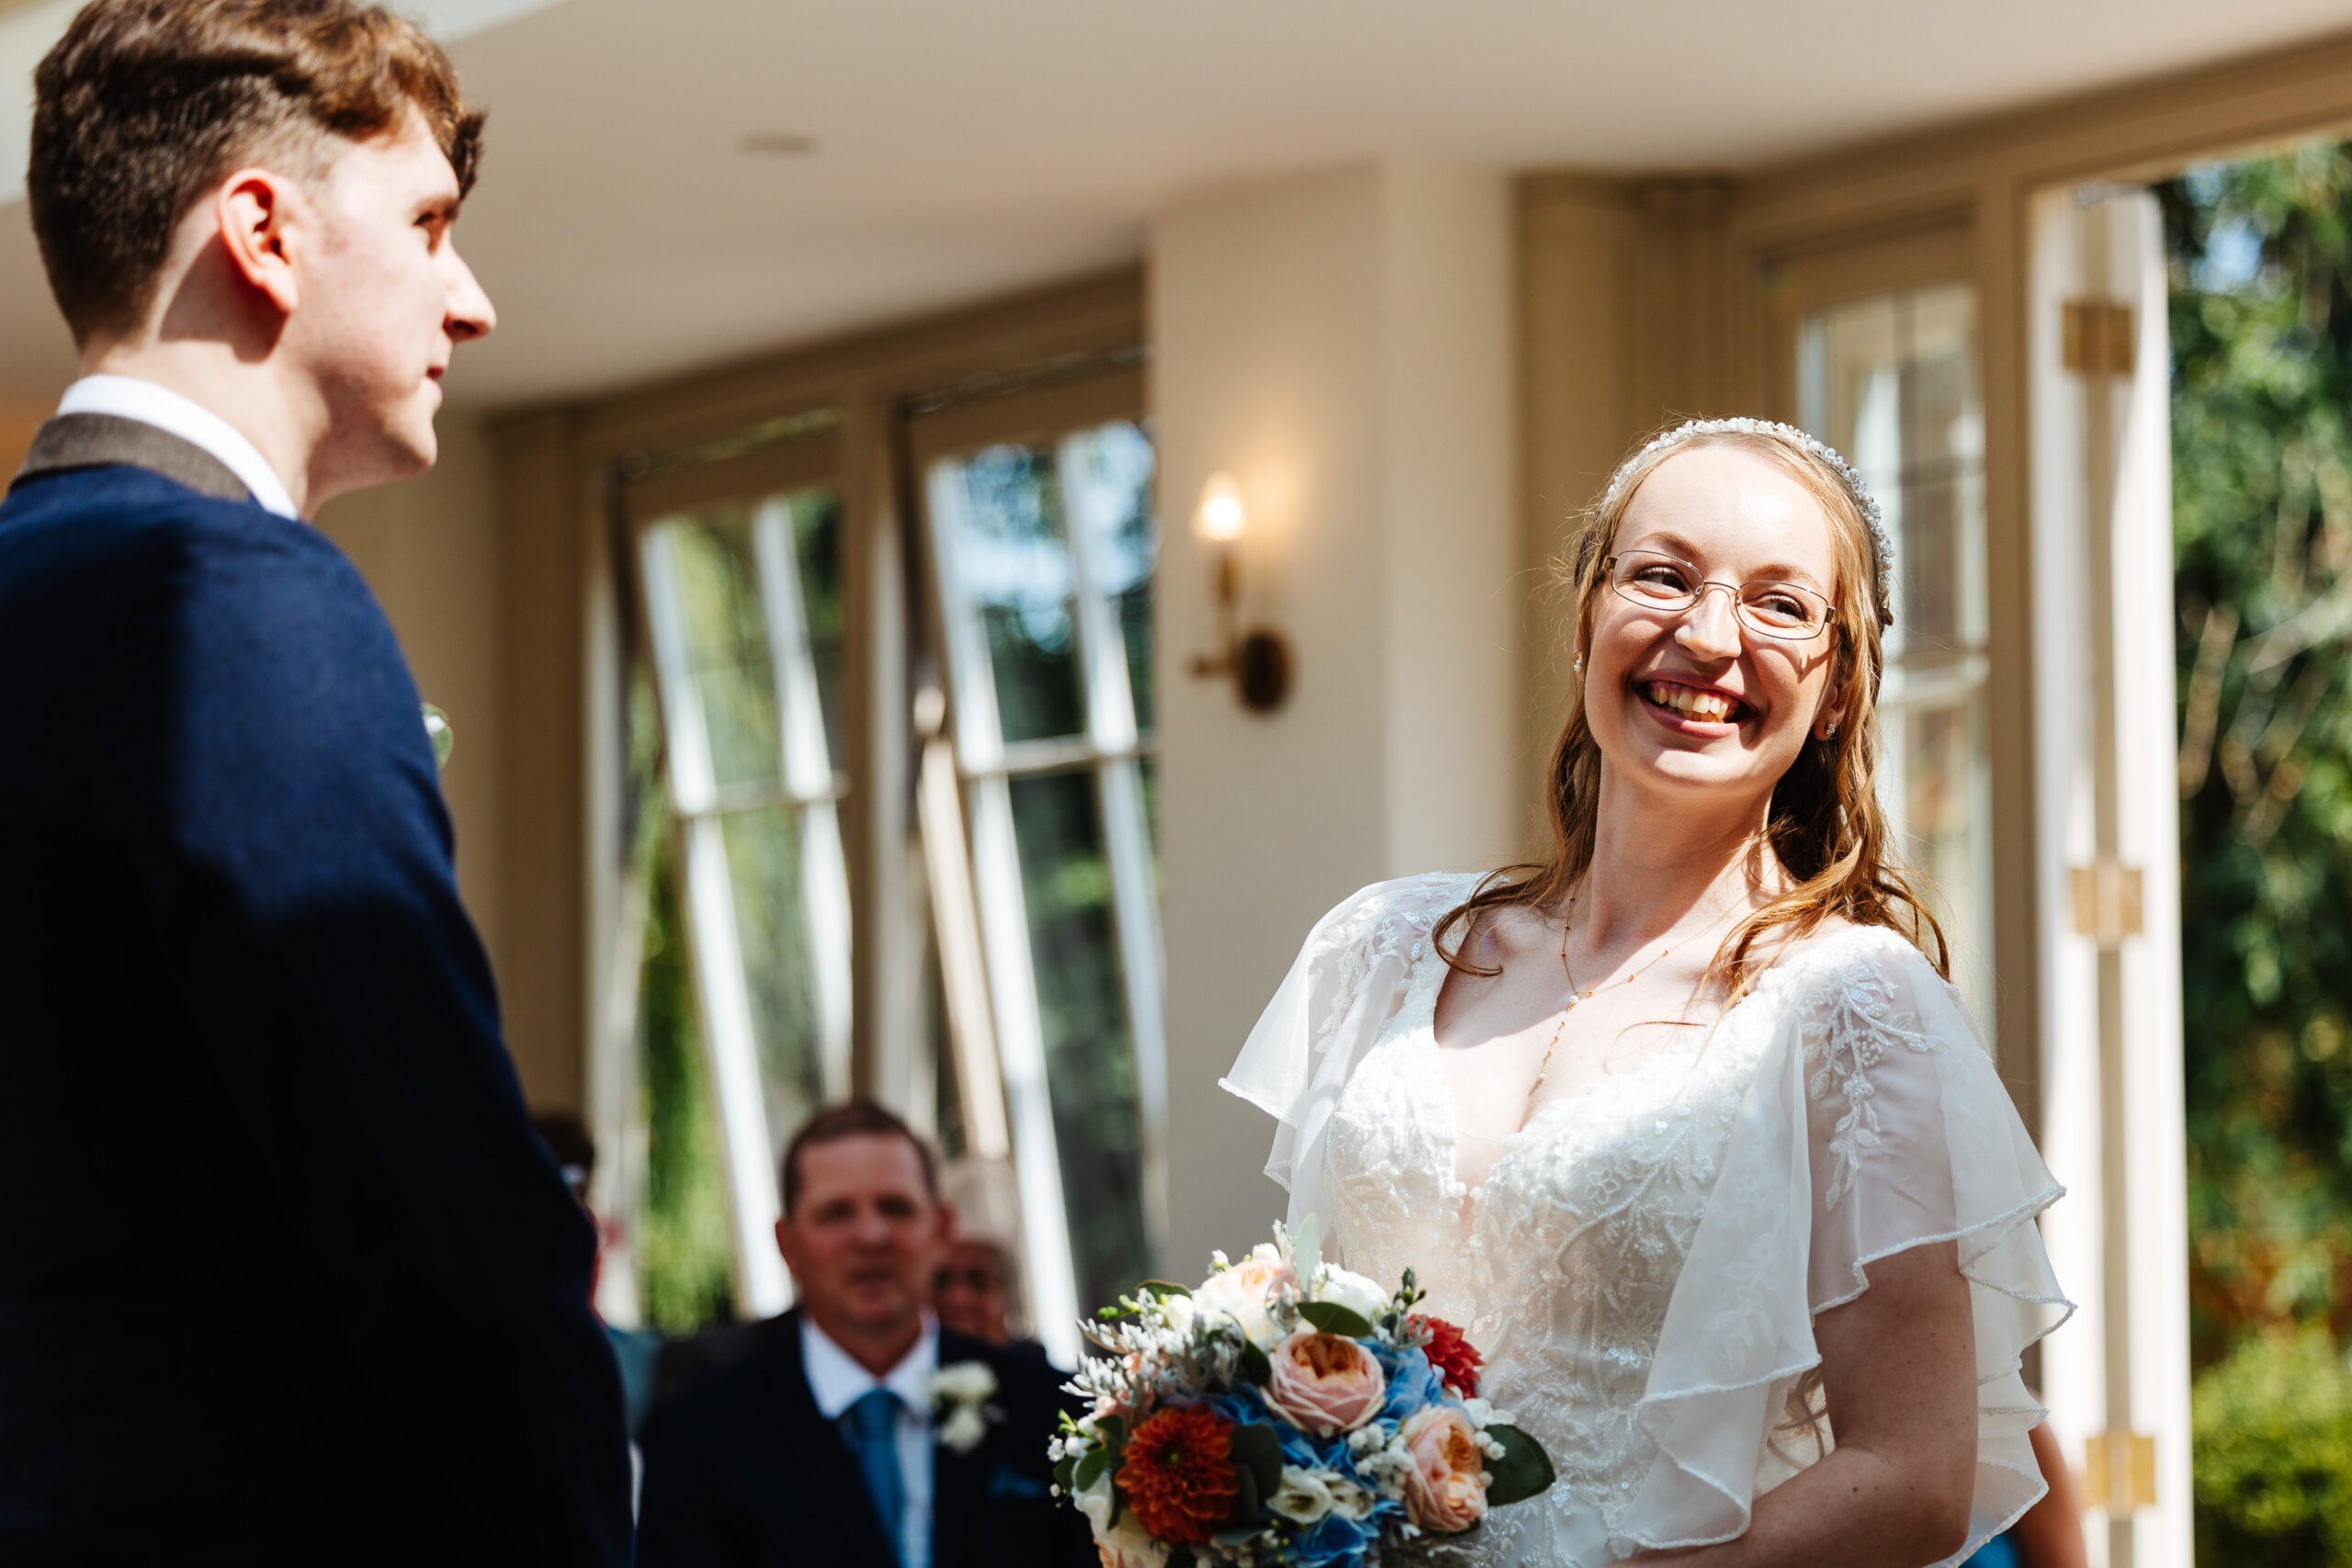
x,y
1825,826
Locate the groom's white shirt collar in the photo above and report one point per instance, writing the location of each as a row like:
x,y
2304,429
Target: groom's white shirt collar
x,y
127,397
838,1382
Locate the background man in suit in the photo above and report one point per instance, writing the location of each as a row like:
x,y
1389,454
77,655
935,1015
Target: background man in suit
x,y
825,1444
284,1276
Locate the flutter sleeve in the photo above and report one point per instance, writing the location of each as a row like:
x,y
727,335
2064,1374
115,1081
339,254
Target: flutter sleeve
x,y
1348,981
1875,1123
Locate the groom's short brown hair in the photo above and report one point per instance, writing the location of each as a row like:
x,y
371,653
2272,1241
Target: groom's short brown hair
x,y
144,103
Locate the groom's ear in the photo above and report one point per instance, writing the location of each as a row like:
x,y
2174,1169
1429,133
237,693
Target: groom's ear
x,y
257,213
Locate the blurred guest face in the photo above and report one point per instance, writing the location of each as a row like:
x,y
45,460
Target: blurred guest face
x,y
864,1239
970,1293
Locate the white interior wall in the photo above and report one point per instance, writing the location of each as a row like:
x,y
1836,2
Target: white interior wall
x,y
429,548
1339,343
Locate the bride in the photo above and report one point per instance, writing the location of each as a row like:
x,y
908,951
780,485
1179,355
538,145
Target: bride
x,y
1685,1125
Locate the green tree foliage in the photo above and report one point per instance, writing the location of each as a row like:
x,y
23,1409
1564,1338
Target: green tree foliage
x,y
685,1268
2262,495
2261,324
2273,1428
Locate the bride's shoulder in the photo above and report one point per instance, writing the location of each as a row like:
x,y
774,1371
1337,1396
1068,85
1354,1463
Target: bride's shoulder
x,y
1413,900
1840,949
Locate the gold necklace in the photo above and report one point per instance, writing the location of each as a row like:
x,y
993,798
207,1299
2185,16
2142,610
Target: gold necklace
x,y
1576,997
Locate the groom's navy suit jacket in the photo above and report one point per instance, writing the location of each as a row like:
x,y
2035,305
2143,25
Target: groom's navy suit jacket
x,y
284,1275
742,1471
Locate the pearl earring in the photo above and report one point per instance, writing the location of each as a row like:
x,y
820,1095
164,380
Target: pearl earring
x,y
1580,662
1830,733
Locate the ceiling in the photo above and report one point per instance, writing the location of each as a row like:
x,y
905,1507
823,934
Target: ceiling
x,y
966,149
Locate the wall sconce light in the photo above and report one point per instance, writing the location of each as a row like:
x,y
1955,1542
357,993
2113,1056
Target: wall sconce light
x,y
1256,661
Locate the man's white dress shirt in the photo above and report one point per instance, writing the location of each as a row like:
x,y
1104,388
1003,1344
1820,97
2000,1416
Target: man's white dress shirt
x,y
127,397
838,1382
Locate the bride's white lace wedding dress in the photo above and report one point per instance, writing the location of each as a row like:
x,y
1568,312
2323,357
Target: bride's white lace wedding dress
x,y
1644,1259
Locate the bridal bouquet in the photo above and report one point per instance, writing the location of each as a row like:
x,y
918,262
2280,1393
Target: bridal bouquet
x,y
1285,1411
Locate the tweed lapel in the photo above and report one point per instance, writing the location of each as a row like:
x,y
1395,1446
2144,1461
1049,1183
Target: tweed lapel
x,y
75,440
827,1471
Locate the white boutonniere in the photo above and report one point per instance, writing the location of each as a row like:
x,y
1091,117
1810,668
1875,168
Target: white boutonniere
x,y
959,1403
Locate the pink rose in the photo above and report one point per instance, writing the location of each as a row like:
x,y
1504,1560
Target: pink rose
x,y
1446,1489
1324,1383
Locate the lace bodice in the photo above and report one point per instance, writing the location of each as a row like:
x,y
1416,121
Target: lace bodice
x,y
1642,1261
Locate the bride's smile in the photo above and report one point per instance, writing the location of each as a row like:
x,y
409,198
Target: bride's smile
x,y
1707,701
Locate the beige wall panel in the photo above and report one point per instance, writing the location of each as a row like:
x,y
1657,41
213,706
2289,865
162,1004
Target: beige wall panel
x,y
1453,591
1577,255
1264,311
429,548
544,533
1340,345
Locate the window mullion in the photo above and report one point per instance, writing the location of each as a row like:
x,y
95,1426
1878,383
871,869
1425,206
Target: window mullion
x,y
721,994
1103,660
1136,911
807,769
979,1084
979,736
730,1046
1021,1040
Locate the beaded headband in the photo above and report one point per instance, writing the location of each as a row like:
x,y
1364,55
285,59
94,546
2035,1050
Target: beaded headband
x,y
1882,546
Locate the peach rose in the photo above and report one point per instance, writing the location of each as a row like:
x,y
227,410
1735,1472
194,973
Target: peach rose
x,y
1324,1383
1243,1293
1446,1489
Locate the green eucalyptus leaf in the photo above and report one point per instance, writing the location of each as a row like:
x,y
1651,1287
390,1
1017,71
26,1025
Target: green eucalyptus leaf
x,y
1091,1468
1258,1452
1249,1505
1331,1317
1524,1472
1163,1288
1255,1367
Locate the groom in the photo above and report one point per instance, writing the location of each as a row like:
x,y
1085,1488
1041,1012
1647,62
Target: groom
x,y
284,1275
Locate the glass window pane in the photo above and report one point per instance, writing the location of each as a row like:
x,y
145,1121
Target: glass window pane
x,y
764,867
1892,382
1117,459
1090,1054
816,546
1014,561
726,642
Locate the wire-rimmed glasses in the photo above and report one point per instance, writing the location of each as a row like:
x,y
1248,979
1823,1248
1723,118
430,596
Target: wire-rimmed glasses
x,y
1789,611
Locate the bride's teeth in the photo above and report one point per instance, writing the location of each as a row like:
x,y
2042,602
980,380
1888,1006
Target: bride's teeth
x,y
1707,706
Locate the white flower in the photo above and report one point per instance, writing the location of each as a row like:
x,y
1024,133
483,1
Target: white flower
x,y
1349,1500
963,1428
1125,1544
1343,1287
1304,1496
1179,1313
966,1383
959,1398
1096,1500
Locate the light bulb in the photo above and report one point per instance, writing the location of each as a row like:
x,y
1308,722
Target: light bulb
x,y
1222,515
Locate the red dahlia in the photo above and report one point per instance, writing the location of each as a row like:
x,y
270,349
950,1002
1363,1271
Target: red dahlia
x,y
1177,1473
1456,1360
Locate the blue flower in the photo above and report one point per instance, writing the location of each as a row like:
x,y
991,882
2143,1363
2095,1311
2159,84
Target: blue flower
x,y
1413,1384
1334,1542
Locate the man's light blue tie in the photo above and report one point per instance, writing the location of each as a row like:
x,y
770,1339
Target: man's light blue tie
x,y
872,1426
